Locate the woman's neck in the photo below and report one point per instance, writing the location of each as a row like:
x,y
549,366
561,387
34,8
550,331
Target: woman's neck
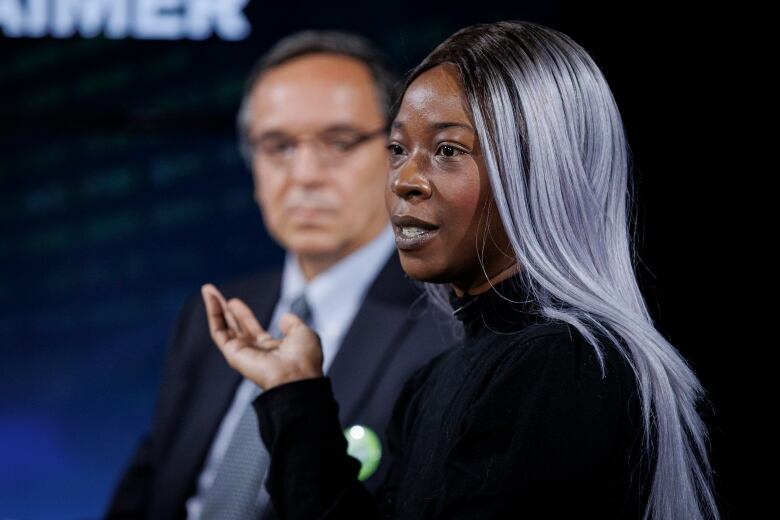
x,y
507,272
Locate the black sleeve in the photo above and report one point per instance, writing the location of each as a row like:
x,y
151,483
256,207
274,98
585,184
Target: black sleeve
x,y
133,493
310,475
542,439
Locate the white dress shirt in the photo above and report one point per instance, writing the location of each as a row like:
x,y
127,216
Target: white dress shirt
x,y
334,296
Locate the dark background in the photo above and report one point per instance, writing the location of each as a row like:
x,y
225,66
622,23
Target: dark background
x,y
122,191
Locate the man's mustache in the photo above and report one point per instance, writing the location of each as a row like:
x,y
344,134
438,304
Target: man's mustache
x,y
310,201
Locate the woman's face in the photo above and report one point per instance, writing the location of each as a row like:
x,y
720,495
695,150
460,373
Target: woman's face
x,y
438,194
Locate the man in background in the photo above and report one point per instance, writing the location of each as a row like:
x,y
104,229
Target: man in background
x,y
312,125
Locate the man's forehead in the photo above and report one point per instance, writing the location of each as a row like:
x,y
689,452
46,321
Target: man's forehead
x,y
294,124
318,90
313,113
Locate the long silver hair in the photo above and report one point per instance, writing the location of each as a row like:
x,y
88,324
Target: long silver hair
x,y
559,167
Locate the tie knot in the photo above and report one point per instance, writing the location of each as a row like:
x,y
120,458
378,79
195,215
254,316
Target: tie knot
x,y
300,307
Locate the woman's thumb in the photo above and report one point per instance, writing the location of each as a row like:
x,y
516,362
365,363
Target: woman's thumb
x,y
288,322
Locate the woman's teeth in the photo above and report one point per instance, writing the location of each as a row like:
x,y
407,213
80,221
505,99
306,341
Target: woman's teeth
x,y
411,232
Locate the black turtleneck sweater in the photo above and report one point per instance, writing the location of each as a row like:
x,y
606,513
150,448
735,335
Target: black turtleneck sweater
x,y
516,422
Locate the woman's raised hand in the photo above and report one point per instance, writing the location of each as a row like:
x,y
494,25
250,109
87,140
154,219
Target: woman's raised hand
x,y
253,352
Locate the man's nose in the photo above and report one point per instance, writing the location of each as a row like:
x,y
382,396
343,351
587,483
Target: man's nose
x,y
305,165
410,181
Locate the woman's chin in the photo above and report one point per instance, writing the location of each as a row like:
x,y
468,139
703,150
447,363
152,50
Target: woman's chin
x,y
423,271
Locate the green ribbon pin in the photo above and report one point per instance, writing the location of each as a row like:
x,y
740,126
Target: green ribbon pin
x,y
365,446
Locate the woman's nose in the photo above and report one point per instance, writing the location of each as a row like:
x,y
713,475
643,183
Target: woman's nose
x,y
410,182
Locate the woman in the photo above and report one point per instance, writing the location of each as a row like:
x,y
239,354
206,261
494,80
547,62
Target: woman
x,y
508,183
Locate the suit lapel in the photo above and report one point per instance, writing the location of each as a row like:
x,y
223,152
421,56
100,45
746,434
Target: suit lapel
x,y
207,405
261,296
210,399
364,352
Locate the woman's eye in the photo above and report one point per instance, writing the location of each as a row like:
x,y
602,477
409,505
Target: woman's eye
x,y
449,151
395,149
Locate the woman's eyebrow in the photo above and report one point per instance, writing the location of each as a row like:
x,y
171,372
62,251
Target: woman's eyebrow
x,y
447,124
438,126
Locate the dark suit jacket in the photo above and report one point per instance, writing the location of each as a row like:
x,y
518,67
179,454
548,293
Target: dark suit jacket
x,y
393,333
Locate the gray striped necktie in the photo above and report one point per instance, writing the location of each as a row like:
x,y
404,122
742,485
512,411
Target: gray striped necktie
x,y
300,307
239,479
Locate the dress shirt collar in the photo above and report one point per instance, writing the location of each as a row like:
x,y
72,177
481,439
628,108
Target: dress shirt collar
x,y
333,293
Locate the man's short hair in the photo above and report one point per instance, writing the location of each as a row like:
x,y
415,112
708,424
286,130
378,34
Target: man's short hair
x,y
386,79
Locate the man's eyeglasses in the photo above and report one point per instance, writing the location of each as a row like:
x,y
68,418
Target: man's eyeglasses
x,y
331,146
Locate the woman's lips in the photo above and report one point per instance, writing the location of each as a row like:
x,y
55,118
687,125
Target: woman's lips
x,y
406,243
412,233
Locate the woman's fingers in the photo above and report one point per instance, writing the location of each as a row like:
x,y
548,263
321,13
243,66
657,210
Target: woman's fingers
x,y
250,350
289,322
247,347
245,317
266,342
244,357
228,317
218,326
296,330
301,340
